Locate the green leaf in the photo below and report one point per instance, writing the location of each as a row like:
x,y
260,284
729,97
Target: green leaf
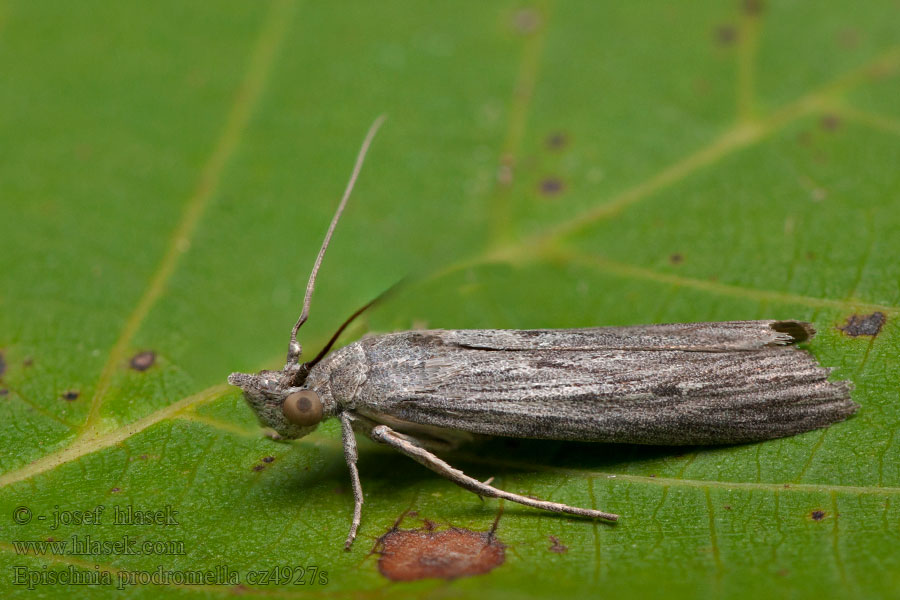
x,y
168,171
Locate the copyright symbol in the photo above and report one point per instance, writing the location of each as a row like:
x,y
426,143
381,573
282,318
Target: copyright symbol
x,y
22,515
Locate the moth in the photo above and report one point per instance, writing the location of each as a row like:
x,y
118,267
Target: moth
x,y
424,391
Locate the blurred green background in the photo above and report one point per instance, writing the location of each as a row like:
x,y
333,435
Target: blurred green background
x,y
168,169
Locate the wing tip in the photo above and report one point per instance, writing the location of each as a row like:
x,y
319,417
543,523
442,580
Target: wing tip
x,y
792,332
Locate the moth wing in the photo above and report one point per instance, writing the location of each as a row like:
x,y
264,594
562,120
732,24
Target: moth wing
x,y
701,383
723,336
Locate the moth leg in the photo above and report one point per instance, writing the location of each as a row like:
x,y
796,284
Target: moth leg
x,y
386,435
351,456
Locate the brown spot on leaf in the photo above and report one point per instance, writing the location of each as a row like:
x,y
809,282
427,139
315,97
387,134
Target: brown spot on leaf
x,y
258,468
28,362
143,360
2,364
556,546
848,39
557,140
817,515
268,459
4,392
753,7
115,490
70,395
526,21
858,325
727,507
726,35
412,513
829,122
409,555
676,258
552,186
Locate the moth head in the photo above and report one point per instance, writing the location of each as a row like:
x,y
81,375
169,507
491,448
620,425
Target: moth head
x,y
291,411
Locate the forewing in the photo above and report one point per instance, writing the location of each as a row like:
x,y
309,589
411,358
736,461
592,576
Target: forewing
x,y
703,383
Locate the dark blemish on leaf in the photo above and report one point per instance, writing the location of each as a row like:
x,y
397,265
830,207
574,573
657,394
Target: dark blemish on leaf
x,y
727,507
753,7
848,39
787,486
143,457
258,468
782,572
28,362
143,360
556,546
810,256
410,555
268,459
526,21
676,258
2,364
817,515
115,490
4,392
70,395
557,140
412,513
858,325
552,186
652,474
429,525
666,390
726,35
829,122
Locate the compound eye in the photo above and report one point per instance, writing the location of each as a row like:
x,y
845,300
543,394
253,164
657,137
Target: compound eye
x,y
303,408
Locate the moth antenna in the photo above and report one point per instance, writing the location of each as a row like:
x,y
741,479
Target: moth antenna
x,y
294,347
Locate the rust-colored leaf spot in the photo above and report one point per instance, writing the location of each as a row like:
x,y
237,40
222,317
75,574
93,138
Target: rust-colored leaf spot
x,y
258,468
753,7
726,35
829,122
676,258
556,546
268,459
552,186
70,395
526,21
409,555
143,360
817,515
858,325
28,362
557,140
